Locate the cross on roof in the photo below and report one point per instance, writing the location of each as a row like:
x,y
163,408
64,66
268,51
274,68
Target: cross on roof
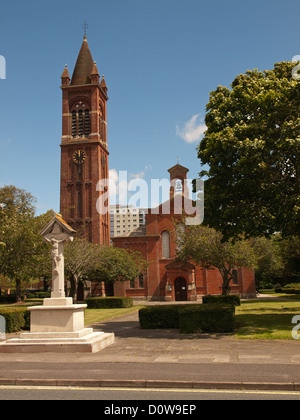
x,y
85,27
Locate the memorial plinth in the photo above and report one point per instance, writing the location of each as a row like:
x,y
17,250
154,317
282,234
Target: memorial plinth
x,y
58,325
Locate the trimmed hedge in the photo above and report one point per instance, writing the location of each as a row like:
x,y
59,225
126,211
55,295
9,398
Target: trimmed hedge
x,y
160,316
222,300
109,302
16,319
207,318
189,318
9,298
291,291
38,295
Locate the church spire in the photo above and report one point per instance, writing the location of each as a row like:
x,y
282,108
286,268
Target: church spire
x,y
84,65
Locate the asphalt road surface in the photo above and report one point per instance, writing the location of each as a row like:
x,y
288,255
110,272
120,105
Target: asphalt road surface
x,y
157,398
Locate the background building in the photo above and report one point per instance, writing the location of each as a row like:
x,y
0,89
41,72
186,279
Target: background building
x,y
125,219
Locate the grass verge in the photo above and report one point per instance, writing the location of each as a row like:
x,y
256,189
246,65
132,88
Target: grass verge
x,y
266,320
94,316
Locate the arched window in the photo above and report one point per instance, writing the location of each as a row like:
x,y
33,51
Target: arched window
x,y
87,122
141,280
74,124
80,121
234,276
165,239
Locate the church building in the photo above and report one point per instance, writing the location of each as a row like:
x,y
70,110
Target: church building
x,y
166,279
84,162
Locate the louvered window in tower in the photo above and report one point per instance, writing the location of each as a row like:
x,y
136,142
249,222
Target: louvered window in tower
x,y
74,124
165,238
87,122
80,123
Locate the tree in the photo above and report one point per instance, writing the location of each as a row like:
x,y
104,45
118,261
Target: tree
x,y
16,200
81,257
207,248
118,264
25,252
290,252
252,149
270,261
97,263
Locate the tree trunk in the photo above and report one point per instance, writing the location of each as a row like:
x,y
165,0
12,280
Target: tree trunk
x,y
18,291
226,276
73,287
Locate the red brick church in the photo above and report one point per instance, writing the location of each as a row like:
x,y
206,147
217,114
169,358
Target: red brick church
x,y
166,279
84,162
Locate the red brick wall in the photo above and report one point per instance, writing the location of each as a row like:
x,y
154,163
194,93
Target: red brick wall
x,y
208,281
95,226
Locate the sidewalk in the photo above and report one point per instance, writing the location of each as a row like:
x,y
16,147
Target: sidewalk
x,y
162,358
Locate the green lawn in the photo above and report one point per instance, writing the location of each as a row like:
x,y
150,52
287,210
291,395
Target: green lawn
x,y
267,320
93,316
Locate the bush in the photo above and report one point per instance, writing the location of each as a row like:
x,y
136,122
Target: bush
x,y
222,300
109,302
207,318
16,319
9,298
159,316
210,318
295,286
38,295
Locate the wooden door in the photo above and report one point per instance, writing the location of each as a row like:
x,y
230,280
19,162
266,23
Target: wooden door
x,y
180,289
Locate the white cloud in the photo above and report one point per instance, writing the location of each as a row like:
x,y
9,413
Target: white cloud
x,y
122,184
193,130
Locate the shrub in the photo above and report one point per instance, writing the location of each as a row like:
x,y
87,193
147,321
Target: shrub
x,y
9,298
159,316
16,319
38,295
295,286
222,300
210,318
207,318
109,302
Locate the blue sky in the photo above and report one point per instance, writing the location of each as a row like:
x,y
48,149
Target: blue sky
x,y
160,58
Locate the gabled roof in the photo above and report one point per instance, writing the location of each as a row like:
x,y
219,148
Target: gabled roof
x,y
178,168
84,66
57,219
178,202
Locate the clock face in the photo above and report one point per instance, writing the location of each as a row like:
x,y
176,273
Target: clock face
x,y
79,157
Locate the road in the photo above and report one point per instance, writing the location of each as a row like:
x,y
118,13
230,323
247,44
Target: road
x,y
157,398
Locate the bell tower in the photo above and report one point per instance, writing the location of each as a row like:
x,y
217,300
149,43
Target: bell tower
x,y
84,151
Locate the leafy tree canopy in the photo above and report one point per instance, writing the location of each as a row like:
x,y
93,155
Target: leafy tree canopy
x,y
206,247
25,255
252,149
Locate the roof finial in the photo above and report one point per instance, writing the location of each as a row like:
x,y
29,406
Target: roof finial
x,y
178,158
85,27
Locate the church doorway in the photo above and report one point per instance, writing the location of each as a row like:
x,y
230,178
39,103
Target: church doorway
x,y
109,289
180,289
